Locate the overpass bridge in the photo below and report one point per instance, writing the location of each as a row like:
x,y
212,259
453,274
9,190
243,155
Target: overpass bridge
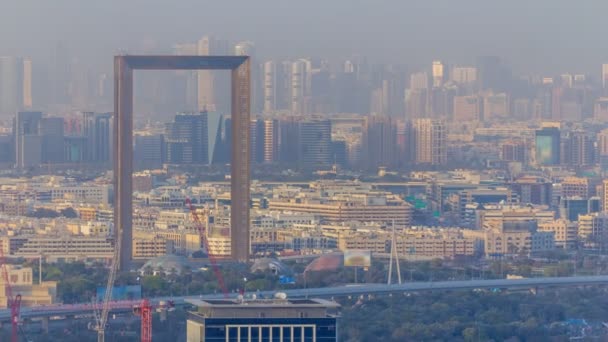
x,y
325,292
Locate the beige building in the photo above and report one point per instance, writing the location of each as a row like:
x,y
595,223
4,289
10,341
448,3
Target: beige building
x,y
431,138
21,280
60,248
151,248
565,232
418,242
354,207
516,238
575,186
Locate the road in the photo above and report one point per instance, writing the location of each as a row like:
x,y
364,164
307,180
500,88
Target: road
x,y
328,292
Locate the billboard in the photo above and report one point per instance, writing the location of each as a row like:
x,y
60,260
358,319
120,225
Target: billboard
x,y
357,258
127,292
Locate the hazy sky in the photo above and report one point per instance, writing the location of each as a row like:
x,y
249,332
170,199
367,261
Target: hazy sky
x,y
532,35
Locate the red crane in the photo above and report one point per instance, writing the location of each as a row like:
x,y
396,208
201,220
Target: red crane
x,y
13,302
145,311
203,236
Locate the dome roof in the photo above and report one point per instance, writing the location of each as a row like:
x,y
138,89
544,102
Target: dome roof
x,y
265,264
166,263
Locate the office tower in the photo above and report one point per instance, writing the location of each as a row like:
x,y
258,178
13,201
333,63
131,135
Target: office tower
x,y
547,146
581,149
513,151
571,207
604,195
149,151
11,85
188,78
379,143
602,149
600,110
321,89
533,190
605,76
289,137
271,140
441,102
439,72
406,143
28,143
279,319
75,149
270,87
256,140
300,86
492,74
431,143
27,84
464,75
214,122
185,138
419,80
212,83
416,103
467,108
339,153
52,137
522,109
388,99
97,129
314,144
495,107
60,75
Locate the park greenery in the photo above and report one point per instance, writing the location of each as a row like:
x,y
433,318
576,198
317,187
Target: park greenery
x,y
479,315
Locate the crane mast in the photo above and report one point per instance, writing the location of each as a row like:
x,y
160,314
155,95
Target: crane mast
x,y
203,237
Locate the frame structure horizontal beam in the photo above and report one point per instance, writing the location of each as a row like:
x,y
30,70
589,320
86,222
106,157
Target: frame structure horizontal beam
x,y
183,62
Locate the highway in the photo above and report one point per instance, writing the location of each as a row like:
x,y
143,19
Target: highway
x,y
326,292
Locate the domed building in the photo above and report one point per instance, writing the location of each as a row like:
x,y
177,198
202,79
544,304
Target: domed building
x,y
164,264
274,265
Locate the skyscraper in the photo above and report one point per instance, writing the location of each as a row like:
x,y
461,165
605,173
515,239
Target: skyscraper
x,y
51,133
605,76
300,86
149,151
439,73
186,136
210,81
28,143
314,144
379,143
12,85
431,143
270,87
271,140
27,84
547,146
97,128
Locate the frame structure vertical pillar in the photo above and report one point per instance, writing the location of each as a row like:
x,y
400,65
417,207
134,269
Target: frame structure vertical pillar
x,y
240,164
123,160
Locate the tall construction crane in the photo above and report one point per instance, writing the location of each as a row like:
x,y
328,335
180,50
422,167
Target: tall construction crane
x,y
14,303
103,317
203,236
145,310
